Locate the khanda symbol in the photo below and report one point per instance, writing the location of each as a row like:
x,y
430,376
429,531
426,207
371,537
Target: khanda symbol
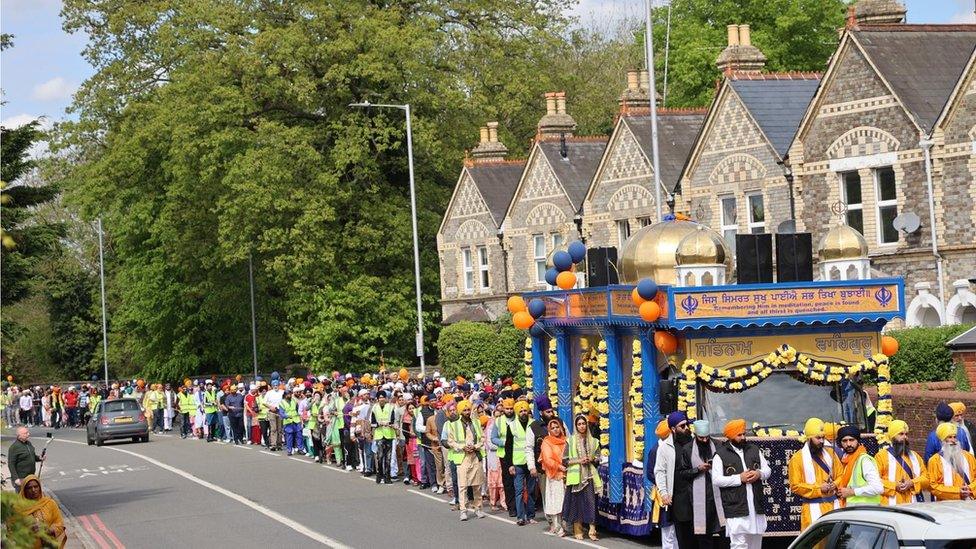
x,y
689,304
883,296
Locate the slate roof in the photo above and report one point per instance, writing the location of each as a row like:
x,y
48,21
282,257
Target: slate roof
x,y
922,63
576,171
677,132
474,312
497,181
963,341
777,105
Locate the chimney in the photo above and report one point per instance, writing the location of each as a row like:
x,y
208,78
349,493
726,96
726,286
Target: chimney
x,y
556,122
740,55
634,95
645,80
879,12
489,149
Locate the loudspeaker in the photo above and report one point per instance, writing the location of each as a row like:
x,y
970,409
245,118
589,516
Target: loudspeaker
x,y
667,396
601,266
754,258
794,257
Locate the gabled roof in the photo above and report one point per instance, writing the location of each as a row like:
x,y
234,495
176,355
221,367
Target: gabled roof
x,y
677,130
575,172
963,341
921,63
954,98
473,312
497,181
777,103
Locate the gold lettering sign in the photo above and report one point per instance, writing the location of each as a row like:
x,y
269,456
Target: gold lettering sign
x,y
746,303
840,348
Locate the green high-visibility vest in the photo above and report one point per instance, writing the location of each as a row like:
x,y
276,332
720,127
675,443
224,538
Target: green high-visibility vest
x,y
518,441
262,408
93,403
457,428
210,402
188,404
158,400
291,411
502,433
384,414
574,472
313,416
338,419
857,480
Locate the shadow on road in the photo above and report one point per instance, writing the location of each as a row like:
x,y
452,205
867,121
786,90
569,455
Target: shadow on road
x,y
97,499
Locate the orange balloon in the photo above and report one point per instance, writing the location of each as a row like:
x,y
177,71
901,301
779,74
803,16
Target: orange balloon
x,y
638,300
650,311
523,320
566,280
516,304
889,345
665,342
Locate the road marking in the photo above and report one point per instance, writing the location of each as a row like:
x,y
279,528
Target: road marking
x,y
300,460
269,453
335,469
86,524
273,515
72,522
108,533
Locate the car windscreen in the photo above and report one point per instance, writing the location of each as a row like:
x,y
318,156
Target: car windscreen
x,y
120,406
781,401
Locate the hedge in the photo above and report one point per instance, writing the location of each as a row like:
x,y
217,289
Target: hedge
x,y
494,349
922,354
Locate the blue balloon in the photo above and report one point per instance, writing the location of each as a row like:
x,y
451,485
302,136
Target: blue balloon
x,y
577,251
551,275
537,330
562,260
537,308
647,288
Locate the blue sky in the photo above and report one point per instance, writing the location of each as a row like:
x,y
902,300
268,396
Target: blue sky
x,y
45,67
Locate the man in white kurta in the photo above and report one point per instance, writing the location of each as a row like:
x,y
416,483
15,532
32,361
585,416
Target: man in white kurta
x,y
745,532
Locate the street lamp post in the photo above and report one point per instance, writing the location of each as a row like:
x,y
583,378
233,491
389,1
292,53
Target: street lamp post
x,y
101,276
254,325
413,220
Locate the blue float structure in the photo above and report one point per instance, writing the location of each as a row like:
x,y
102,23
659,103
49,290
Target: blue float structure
x,y
730,339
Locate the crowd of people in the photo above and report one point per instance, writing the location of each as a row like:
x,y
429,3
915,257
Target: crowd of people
x,y
489,442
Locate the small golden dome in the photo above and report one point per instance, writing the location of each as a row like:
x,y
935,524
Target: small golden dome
x,y
650,252
702,247
842,242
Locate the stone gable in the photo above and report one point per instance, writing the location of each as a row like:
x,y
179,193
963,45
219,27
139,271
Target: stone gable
x,y
956,161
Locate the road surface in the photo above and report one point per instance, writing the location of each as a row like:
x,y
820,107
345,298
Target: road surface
x,y
172,492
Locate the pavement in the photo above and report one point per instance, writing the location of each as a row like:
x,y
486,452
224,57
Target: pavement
x,y
172,492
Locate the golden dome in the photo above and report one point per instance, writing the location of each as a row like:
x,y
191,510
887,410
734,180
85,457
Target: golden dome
x,y
842,242
703,247
650,252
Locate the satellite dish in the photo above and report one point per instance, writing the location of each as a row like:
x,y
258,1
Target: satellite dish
x,y
906,222
786,227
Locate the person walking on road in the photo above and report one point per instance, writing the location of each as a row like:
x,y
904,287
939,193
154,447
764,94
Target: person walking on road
x,y
551,459
738,471
814,474
272,399
582,479
234,404
21,457
525,483
188,410
381,419
861,483
694,468
210,409
903,473
291,422
952,472
465,448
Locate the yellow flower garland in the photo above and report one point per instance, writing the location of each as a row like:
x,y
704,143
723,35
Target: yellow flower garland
x,y
733,380
637,401
603,398
584,394
527,357
553,384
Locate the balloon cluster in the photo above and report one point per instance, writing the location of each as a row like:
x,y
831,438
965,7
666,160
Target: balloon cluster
x,y
644,295
564,262
524,315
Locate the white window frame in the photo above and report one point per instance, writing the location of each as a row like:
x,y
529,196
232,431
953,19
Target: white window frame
x,y
467,268
725,226
879,204
557,240
751,222
484,279
540,275
843,196
623,231
644,221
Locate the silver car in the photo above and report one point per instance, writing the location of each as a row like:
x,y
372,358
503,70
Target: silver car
x,y
120,418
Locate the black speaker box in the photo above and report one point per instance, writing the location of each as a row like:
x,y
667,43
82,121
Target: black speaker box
x,y
794,257
601,266
754,258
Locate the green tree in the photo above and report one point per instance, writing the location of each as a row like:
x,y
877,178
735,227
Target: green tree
x,y
794,35
494,349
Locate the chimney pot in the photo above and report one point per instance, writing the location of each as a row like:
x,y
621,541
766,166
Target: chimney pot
x,y
745,36
633,80
561,103
550,103
493,132
733,35
645,80
484,134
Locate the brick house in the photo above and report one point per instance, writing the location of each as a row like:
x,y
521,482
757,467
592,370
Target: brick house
x,y
545,211
858,155
734,180
472,261
621,198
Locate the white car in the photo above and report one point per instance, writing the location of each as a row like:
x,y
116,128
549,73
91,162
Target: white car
x,y
935,525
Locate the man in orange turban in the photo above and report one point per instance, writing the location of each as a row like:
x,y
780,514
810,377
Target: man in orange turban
x,y
738,471
952,471
814,473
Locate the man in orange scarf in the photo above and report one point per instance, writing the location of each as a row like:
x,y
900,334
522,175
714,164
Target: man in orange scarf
x,y
861,482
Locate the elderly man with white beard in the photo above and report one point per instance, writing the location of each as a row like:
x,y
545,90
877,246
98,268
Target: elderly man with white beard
x,y
952,470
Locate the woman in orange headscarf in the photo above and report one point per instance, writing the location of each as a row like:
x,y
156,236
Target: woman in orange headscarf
x,y
43,511
553,447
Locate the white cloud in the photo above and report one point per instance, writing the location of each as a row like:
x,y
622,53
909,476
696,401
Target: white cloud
x,y
39,148
17,120
963,17
55,89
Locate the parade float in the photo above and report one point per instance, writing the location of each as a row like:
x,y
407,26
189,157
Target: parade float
x,y
676,335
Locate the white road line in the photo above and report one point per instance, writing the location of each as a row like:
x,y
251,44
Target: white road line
x,y
335,469
300,460
506,520
273,515
269,453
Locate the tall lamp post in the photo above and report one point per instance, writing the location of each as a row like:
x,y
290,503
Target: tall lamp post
x,y
254,325
101,276
413,220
